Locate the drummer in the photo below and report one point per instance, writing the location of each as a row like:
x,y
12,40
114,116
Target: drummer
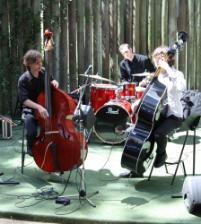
x,y
134,64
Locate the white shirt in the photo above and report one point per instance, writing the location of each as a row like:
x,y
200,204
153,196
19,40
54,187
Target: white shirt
x,y
175,83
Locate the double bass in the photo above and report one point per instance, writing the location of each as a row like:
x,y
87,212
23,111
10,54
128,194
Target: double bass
x,y
58,146
139,147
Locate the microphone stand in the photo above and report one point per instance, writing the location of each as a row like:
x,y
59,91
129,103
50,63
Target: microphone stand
x,y
79,121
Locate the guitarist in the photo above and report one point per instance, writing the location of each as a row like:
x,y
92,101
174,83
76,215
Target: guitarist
x,y
172,116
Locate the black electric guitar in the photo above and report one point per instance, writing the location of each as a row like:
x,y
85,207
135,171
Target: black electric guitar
x,y
138,150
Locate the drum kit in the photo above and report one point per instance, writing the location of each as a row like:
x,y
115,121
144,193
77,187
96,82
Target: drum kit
x,y
114,108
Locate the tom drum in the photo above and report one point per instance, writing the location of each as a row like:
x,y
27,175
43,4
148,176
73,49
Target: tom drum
x,y
101,94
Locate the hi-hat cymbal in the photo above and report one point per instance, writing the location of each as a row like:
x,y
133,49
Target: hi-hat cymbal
x,y
98,77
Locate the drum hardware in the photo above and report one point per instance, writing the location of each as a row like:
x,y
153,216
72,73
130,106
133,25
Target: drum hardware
x,y
80,88
119,92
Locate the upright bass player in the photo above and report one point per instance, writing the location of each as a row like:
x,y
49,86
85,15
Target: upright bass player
x,y
30,85
172,116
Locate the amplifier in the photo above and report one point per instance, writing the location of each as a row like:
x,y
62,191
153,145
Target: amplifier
x,y
5,128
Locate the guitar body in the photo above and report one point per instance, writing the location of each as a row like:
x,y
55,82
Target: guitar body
x,y
138,150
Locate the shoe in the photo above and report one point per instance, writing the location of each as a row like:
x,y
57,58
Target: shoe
x,y
130,174
160,160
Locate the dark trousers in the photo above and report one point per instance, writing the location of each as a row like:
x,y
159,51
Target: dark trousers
x,y
31,125
163,127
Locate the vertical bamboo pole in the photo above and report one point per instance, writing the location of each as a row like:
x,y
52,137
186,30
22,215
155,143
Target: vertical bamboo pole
x,y
197,44
120,21
151,26
157,22
164,23
105,38
97,49
113,41
88,33
137,25
143,45
80,38
172,24
191,48
4,55
63,49
72,45
183,26
56,30
128,21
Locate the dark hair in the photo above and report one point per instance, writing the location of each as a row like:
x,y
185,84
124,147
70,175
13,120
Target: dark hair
x,y
31,57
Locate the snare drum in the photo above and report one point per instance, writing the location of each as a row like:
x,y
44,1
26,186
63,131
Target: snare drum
x,y
112,119
101,94
139,91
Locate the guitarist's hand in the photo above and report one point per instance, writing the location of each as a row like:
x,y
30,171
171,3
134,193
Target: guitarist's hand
x,y
166,67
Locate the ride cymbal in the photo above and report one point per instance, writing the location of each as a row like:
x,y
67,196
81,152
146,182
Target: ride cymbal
x,y
98,77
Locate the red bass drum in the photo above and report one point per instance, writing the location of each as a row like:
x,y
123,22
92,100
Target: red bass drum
x,y
112,119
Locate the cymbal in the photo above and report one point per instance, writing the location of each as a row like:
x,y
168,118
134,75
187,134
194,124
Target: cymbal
x,y
144,74
98,77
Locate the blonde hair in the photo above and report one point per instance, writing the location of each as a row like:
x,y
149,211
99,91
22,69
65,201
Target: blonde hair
x,y
159,50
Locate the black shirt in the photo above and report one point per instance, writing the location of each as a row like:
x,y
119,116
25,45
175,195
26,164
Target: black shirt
x,y
139,64
29,87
